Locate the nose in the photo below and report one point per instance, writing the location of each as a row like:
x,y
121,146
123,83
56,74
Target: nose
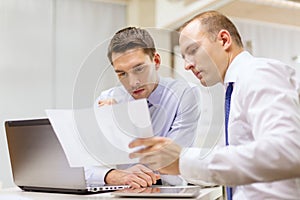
x,y
134,80
188,65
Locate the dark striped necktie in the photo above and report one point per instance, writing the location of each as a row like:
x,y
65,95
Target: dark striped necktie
x,y
227,111
149,104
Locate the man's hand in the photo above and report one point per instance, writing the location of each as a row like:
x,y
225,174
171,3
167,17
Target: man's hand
x,y
106,102
137,176
159,153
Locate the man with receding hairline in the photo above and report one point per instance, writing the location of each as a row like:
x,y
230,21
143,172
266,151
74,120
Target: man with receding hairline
x,y
261,159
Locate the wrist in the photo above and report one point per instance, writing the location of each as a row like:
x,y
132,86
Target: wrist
x,y
107,176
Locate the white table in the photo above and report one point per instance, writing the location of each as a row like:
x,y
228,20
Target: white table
x,y
17,194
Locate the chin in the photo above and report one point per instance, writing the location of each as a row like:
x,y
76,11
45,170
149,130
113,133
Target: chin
x,y
139,96
136,97
208,83
203,83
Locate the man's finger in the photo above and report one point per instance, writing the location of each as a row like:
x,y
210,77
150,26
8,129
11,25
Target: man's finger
x,y
106,102
145,177
147,150
138,182
140,153
151,174
147,142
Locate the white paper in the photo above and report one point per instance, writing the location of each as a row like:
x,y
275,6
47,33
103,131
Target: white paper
x,y
100,136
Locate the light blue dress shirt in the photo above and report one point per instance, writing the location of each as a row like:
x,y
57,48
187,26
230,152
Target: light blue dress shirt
x,y
174,109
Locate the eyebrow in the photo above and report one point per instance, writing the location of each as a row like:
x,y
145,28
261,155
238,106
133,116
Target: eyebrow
x,y
118,71
185,50
137,65
192,45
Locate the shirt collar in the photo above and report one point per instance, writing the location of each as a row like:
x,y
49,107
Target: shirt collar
x,y
235,67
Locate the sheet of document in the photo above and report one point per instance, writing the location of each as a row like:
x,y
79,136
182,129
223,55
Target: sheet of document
x,y
100,136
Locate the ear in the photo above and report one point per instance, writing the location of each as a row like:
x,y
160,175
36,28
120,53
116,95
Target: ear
x,y
157,60
224,38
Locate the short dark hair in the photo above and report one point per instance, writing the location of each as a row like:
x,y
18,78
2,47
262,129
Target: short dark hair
x,y
213,22
131,38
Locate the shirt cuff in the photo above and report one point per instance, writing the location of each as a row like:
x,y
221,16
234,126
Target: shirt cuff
x,y
193,166
95,174
172,180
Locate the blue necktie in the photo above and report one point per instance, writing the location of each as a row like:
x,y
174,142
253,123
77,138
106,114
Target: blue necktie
x,y
149,104
227,110
151,107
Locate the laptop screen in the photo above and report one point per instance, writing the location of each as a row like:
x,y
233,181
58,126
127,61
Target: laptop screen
x,y
37,158
39,163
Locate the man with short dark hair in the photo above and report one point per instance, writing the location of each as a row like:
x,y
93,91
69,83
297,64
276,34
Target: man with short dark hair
x,y
174,105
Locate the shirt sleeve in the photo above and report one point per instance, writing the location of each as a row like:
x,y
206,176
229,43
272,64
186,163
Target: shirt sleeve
x,y
196,173
184,127
96,174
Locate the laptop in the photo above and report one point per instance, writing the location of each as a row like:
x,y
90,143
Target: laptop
x,y
160,192
39,163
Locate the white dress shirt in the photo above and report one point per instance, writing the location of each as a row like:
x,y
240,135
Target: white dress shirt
x,y
262,160
174,110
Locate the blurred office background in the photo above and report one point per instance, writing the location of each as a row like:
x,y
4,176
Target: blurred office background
x,y
47,46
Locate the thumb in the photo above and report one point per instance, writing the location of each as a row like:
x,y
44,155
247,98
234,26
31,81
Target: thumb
x,y
157,176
